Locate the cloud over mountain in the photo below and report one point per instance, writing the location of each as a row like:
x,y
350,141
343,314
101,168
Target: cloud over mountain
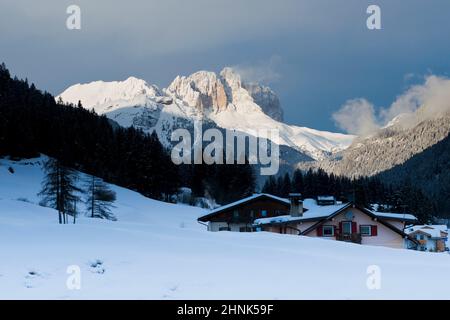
x,y
419,102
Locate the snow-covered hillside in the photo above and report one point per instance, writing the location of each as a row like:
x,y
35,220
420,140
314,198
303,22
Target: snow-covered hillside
x,y
390,146
221,98
158,251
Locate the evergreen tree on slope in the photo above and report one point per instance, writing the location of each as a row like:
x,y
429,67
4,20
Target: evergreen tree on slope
x,y
99,199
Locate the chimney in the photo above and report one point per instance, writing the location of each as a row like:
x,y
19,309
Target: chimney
x,y
296,204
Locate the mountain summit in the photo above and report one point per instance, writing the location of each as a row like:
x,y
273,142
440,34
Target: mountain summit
x,y
222,99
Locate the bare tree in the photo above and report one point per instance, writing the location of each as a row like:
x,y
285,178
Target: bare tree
x,y
59,190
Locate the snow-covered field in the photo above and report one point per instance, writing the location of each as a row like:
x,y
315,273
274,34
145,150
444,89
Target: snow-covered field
x,y
158,251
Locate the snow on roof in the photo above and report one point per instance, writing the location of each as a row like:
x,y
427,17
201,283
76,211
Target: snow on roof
x,y
313,211
326,198
400,216
255,196
433,231
279,219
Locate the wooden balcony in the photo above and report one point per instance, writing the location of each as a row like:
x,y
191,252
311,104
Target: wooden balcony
x,y
354,237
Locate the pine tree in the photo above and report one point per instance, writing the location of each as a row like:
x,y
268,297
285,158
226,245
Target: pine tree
x,y
360,194
270,185
99,199
297,182
59,190
279,187
286,185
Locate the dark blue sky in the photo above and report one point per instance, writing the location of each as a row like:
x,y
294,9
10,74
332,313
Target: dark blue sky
x,y
315,54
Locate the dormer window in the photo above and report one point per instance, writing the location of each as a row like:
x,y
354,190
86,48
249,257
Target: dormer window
x,y
420,237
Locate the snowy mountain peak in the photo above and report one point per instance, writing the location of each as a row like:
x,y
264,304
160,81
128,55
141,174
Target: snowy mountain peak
x,y
232,79
108,96
223,99
202,90
207,91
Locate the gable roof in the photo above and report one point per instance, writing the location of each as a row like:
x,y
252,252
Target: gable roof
x,y
242,201
316,213
373,215
433,231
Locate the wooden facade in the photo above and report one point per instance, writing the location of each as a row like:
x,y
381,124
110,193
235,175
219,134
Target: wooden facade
x,y
241,215
248,212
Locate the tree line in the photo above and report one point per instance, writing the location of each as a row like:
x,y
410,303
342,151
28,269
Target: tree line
x,y
33,123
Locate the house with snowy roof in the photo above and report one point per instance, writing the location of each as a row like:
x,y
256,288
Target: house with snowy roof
x,y
431,238
326,219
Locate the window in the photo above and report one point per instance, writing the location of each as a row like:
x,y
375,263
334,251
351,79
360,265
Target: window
x,y
347,227
245,229
264,213
236,214
365,230
328,231
420,237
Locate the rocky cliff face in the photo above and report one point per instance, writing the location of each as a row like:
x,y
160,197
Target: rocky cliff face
x,y
221,100
202,90
207,91
266,99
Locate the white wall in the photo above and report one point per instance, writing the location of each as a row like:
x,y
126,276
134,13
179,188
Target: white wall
x,y
430,244
385,237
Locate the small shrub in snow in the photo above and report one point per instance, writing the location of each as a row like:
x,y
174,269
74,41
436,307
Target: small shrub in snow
x,y
97,266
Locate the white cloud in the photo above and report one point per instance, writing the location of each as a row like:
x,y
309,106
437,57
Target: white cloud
x,y
357,116
264,72
432,97
420,102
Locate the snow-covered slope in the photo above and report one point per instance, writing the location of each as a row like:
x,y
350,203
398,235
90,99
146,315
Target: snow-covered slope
x,y
221,98
158,251
108,96
389,147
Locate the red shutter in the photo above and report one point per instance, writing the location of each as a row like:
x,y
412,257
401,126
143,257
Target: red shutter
x,y
335,231
340,228
374,231
319,231
354,227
